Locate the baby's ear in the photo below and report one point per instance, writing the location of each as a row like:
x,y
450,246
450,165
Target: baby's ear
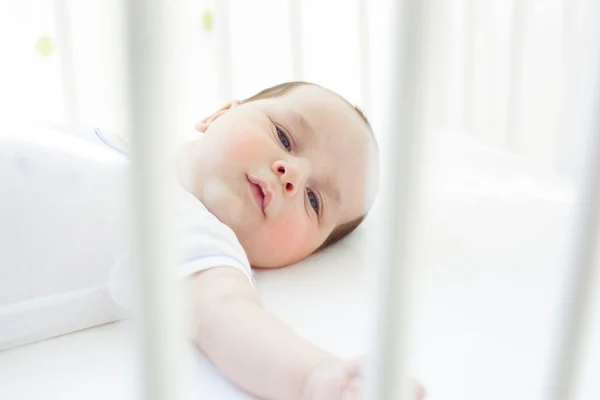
x,y
203,125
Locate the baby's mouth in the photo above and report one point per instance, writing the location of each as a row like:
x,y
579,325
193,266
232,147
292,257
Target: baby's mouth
x,y
260,192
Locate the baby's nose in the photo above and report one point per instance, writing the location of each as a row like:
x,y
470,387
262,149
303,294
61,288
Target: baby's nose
x,y
289,176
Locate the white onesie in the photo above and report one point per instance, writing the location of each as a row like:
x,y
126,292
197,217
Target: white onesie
x,y
63,213
204,243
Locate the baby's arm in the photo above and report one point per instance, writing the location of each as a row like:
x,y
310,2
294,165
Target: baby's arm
x,y
255,350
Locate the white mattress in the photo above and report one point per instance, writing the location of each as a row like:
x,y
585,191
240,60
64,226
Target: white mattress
x,y
490,272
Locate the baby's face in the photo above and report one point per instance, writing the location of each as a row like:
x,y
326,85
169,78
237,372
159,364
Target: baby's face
x,y
283,172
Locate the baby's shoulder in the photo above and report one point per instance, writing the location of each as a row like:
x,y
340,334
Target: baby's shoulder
x,y
204,241
196,220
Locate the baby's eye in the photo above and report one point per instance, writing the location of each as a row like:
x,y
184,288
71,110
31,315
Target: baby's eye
x,y
284,139
314,202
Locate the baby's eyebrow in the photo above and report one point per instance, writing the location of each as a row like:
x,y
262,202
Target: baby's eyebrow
x,y
301,121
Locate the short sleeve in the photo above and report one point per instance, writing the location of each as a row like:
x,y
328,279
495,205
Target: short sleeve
x,y
203,242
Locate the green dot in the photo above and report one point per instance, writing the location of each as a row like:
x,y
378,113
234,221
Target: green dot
x,y
207,20
45,45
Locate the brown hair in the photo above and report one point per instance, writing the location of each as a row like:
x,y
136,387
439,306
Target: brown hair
x,y
342,230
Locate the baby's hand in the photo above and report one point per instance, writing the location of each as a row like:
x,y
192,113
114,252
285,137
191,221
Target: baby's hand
x,y
335,380
341,380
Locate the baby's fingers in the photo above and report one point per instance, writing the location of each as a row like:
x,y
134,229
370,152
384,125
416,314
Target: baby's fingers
x,y
419,391
356,386
354,390
356,367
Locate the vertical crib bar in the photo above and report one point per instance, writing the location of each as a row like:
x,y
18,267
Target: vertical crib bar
x,y
65,52
403,122
295,8
223,50
151,106
455,68
364,54
469,100
586,257
514,100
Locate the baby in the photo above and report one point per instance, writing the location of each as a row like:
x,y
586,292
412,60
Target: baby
x,y
287,171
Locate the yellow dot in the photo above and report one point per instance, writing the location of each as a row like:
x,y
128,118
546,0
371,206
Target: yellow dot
x,y
207,20
45,45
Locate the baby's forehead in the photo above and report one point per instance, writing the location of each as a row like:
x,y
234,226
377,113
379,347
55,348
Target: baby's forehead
x,y
329,119
311,97
323,110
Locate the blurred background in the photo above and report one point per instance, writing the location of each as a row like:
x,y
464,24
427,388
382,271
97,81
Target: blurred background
x,y
495,71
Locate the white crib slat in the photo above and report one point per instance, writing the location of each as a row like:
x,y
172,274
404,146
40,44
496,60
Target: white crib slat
x,y
364,54
515,100
565,376
581,291
65,52
455,68
296,44
152,33
403,125
223,50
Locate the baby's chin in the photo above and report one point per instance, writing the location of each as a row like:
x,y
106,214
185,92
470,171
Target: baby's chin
x,y
260,262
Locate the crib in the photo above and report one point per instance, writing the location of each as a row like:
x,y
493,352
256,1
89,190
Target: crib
x,y
498,271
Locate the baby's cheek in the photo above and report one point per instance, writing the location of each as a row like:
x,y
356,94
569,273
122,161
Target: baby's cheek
x,y
292,237
244,150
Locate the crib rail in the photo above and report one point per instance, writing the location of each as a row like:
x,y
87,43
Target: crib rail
x,y
582,102
152,32
393,241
